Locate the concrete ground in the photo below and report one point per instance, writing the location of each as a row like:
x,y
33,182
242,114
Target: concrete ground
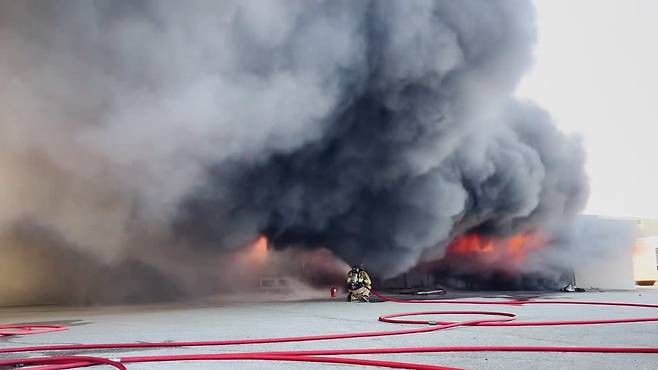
x,y
254,320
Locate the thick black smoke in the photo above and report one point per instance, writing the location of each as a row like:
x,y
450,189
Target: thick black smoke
x,y
377,129
424,141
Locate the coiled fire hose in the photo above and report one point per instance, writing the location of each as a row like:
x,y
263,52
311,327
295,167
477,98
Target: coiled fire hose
x,y
495,318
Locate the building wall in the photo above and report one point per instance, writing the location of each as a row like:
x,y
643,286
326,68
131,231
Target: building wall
x,y
647,228
645,259
645,256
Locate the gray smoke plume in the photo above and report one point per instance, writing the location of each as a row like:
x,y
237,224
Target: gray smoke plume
x,y
168,131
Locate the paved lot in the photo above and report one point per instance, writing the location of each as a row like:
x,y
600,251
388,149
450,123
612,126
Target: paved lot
x,y
252,320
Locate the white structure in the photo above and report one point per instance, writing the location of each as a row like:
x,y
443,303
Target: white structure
x,y
645,259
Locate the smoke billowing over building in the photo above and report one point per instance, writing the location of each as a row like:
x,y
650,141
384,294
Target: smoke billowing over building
x,y
154,138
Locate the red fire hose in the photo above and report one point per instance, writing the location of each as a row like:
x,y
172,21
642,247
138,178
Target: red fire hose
x,y
25,329
327,356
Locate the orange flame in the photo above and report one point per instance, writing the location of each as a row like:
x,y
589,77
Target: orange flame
x,y
257,252
471,244
512,249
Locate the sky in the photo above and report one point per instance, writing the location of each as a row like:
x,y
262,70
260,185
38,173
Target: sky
x,y
596,72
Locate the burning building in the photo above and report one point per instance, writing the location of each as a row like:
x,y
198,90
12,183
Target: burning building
x,y
386,132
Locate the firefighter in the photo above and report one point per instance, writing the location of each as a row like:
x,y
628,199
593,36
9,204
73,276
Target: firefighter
x,y
358,284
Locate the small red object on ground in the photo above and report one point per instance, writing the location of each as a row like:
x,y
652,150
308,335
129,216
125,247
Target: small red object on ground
x,y
333,292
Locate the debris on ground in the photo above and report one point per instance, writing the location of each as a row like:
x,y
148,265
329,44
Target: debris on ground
x,y
570,288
